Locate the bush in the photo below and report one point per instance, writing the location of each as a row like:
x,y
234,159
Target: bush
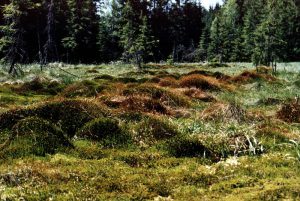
x,y
104,130
35,136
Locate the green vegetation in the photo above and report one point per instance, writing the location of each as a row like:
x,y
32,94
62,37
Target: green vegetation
x,y
185,132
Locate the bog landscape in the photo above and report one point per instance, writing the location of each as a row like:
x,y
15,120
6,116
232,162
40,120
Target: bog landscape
x,y
149,100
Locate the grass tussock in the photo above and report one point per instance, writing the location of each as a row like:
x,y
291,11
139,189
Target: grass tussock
x,y
166,97
204,83
252,76
224,112
200,82
168,82
199,95
144,104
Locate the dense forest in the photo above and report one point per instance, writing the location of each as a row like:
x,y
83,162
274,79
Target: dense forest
x,y
87,31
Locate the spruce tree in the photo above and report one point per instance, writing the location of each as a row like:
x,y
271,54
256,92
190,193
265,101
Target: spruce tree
x,y
11,42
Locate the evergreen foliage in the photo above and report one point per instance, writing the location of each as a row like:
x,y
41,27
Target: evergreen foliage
x,y
87,31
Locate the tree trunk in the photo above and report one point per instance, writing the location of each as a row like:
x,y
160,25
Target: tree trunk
x,y
49,48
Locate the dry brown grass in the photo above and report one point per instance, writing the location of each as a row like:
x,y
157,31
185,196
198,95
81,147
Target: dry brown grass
x,y
200,82
290,112
168,82
250,76
199,95
224,112
204,83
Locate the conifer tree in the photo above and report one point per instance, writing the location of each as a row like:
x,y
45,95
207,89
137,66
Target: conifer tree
x,y
11,42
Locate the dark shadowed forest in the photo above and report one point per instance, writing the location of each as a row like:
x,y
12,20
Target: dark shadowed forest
x,y
89,31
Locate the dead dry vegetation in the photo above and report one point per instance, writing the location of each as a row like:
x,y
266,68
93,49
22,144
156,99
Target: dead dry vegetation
x,y
152,135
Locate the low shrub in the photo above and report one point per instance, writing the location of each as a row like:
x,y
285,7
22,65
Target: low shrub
x,y
127,80
11,117
217,75
92,71
104,130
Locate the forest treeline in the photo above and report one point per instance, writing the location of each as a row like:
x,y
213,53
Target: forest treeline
x,y
89,31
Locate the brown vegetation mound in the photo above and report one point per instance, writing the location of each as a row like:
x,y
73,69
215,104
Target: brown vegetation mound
x,y
198,95
164,96
143,104
224,112
200,82
35,136
168,82
69,115
251,76
86,88
40,85
290,112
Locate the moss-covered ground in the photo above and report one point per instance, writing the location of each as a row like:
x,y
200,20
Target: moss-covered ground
x,y
166,132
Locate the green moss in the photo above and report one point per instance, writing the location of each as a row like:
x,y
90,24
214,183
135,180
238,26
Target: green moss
x,y
152,129
35,136
104,130
69,115
86,88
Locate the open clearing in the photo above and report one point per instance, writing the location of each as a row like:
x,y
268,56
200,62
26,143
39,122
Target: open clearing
x,y
167,132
